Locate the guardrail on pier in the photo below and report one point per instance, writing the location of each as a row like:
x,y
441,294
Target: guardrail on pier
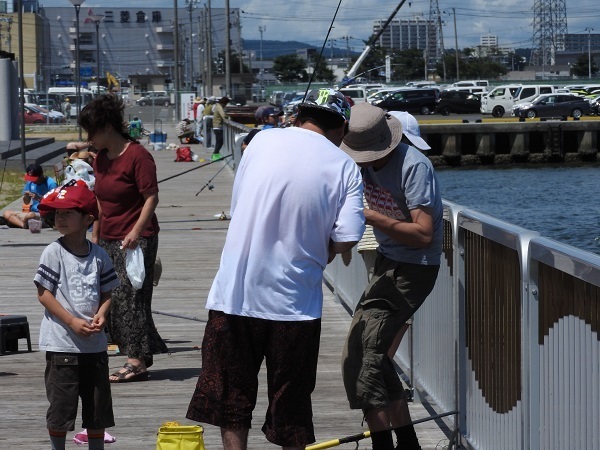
x,y
509,336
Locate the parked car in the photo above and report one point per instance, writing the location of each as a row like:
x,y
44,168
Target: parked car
x,y
32,117
155,98
457,102
595,106
417,101
380,94
55,116
553,105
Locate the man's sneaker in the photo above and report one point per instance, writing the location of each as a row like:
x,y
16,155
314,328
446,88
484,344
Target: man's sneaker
x,y
215,156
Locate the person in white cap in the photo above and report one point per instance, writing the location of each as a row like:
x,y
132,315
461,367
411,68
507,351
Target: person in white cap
x,y
405,211
411,130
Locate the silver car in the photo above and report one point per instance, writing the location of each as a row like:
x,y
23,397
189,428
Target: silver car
x,y
155,98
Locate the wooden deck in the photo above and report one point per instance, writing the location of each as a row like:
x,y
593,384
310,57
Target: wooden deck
x,y
191,239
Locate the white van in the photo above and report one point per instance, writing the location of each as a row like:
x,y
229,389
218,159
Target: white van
x,y
59,94
357,94
502,98
472,83
480,90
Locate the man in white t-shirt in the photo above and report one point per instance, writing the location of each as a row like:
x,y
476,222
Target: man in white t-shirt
x,y
297,202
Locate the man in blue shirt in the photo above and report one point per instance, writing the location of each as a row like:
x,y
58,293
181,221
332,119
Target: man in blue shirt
x,y
37,185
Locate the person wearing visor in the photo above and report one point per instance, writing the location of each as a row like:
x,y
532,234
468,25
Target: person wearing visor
x,y
288,221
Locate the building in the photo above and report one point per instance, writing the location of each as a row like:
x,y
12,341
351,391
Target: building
x,y
138,44
578,43
36,45
133,43
404,34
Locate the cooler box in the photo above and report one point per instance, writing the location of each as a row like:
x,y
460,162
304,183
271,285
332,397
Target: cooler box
x,y
13,328
158,137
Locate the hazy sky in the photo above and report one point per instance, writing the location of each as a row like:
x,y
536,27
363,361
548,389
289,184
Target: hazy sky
x,y
309,20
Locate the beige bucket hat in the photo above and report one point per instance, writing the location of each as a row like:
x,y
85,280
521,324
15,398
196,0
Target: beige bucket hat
x,y
372,133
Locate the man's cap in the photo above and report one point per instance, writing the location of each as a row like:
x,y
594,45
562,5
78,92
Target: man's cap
x,y
270,111
212,99
67,100
410,128
70,197
224,99
328,100
33,172
372,133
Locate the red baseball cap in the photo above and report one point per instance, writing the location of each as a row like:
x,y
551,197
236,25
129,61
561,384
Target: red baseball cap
x,y
33,172
70,197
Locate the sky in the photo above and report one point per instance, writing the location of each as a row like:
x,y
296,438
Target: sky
x,y
309,21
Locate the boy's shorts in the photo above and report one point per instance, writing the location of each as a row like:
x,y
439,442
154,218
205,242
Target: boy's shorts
x,y
69,376
393,295
232,353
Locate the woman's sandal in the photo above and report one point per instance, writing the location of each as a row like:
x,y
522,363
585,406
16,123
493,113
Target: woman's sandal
x,y
136,374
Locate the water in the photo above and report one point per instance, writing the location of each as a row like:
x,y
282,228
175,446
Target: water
x,y
560,203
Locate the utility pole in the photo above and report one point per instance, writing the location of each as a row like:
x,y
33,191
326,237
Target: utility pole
x,y
589,30
176,56
228,91
209,57
191,5
456,45
261,30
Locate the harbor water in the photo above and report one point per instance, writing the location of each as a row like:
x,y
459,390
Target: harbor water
x,y
560,203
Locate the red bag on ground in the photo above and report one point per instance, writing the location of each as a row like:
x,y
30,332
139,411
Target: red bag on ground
x,y
183,154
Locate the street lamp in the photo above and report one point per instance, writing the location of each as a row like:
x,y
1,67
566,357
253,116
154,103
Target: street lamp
x,y
96,19
589,30
77,4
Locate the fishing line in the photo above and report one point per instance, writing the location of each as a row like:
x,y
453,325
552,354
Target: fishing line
x,y
312,75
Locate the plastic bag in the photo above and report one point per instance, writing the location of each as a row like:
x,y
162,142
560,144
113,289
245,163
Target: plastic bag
x,y
134,264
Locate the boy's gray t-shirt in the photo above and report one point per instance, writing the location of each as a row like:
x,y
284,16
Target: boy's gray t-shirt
x,y
407,181
77,282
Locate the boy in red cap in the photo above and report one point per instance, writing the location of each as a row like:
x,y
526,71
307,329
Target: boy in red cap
x,y
74,281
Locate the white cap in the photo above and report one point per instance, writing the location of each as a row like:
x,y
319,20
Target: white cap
x,y
410,129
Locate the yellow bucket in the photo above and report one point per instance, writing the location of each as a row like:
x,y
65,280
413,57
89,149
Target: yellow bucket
x,y
172,436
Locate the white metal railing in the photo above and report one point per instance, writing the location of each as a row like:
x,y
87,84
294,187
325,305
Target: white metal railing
x,y
509,336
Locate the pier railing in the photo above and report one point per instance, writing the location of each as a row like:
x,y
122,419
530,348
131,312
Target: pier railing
x,y
509,336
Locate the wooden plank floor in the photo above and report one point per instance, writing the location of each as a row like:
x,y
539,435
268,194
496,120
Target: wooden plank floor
x,y
191,239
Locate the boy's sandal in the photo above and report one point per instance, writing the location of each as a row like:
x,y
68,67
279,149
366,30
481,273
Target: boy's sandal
x,y
135,374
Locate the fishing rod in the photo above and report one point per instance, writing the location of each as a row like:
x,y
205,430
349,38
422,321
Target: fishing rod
x,y
367,434
208,183
196,168
312,75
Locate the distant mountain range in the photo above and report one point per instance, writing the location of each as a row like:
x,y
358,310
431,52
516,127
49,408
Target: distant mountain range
x,y
272,49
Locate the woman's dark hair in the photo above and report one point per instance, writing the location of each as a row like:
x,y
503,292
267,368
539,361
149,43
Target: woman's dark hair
x,y
325,120
105,110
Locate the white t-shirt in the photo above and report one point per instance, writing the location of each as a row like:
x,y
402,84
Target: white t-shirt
x,y
293,192
76,282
